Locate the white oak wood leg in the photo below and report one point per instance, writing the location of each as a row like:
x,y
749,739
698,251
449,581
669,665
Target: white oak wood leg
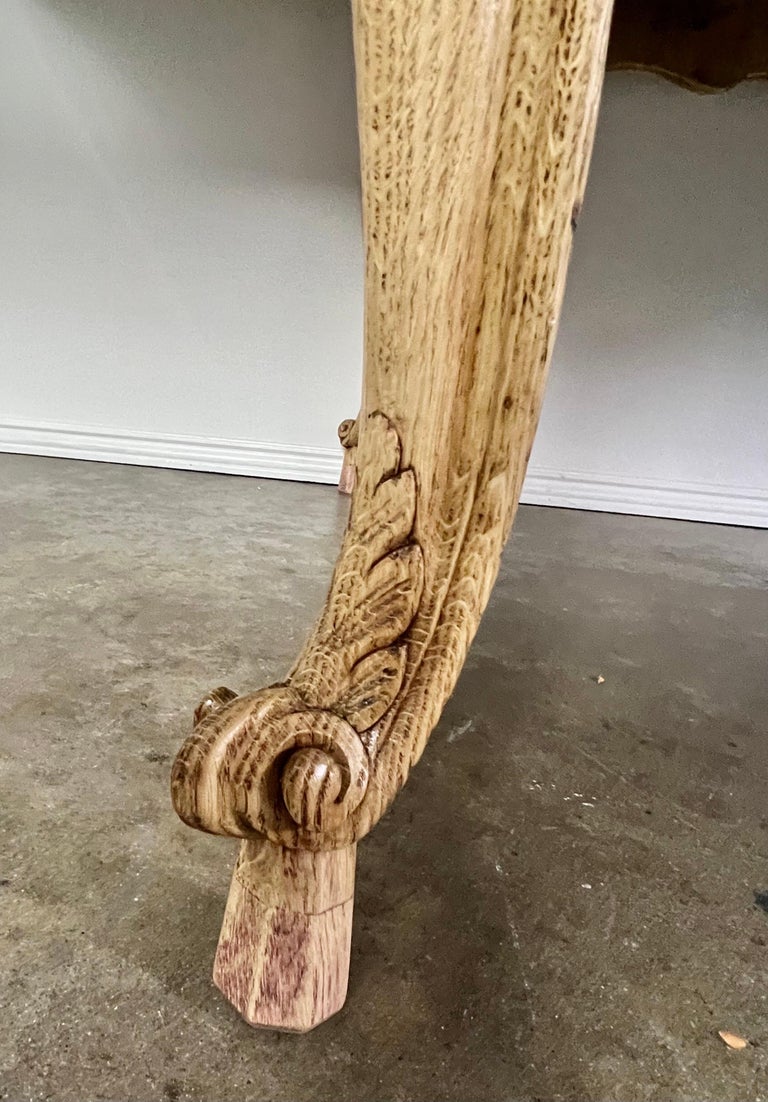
x,y
476,122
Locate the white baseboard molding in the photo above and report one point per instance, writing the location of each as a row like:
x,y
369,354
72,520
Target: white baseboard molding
x,y
647,497
294,462
602,493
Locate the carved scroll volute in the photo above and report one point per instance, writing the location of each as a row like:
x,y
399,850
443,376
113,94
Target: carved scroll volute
x,y
292,762
268,764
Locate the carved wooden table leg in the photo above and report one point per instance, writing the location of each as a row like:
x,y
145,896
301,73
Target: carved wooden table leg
x,y
476,121
348,441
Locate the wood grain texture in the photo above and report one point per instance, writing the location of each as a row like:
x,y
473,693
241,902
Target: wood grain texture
x,y
476,122
283,953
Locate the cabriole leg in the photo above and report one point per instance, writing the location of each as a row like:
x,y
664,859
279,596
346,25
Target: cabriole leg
x,y
476,122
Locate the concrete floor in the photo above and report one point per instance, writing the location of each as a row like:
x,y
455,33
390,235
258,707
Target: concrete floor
x,y
567,901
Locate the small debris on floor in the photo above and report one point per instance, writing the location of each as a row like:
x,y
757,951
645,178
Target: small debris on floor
x,y
732,1039
599,680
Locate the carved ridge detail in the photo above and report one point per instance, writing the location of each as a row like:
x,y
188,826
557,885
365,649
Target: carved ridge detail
x,y
292,761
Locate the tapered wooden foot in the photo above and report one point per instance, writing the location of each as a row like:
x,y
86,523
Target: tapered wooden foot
x,y
283,955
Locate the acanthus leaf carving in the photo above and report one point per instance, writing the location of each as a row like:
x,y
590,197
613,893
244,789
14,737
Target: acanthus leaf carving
x,y
292,761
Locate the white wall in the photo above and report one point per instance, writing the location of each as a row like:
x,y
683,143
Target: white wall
x,y
180,223
181,278
658,396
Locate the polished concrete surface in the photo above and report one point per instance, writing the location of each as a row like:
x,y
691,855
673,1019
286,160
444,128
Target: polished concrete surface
x,y
568,900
